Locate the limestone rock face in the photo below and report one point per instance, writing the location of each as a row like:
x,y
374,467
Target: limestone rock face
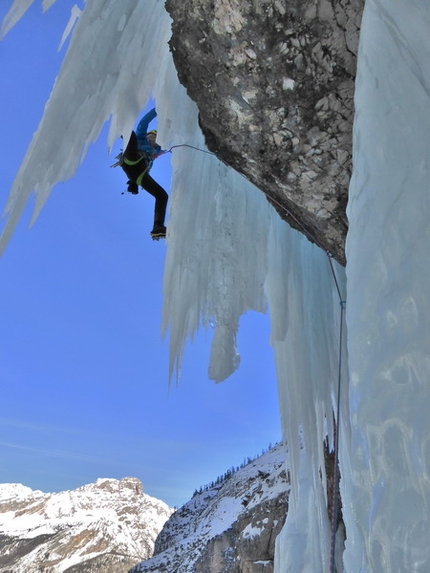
x,y
274,84
229,526
247,547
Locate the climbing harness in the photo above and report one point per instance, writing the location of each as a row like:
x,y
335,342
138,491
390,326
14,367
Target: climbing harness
x,y
133,185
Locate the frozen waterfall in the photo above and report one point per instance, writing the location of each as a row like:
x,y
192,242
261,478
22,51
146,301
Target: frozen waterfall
x,y
387,470
228,252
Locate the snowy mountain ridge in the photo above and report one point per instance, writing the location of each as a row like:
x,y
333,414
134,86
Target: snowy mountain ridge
x,y
111,525
231,523
62,531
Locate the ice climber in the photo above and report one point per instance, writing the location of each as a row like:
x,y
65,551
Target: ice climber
x,y
136,162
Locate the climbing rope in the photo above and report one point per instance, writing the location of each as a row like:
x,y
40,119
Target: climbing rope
x,y
336,430
191,147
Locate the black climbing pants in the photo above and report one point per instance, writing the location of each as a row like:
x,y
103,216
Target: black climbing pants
x,y
161,198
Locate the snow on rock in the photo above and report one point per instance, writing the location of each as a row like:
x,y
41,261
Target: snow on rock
x,y
72,527
17,491
235,519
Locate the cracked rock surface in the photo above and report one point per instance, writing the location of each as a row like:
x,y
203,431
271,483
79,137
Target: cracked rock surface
x,y
274,84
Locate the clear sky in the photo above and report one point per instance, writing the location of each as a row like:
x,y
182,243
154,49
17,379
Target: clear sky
x,y
83,367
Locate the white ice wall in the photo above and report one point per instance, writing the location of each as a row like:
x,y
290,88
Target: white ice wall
x,y
387,492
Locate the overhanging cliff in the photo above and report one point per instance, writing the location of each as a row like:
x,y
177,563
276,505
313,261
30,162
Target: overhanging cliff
x,y
274,84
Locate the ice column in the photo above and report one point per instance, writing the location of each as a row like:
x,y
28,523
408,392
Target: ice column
x,y
388,287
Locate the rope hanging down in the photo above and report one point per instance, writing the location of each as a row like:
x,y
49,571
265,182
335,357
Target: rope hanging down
x,y
342,301
335,509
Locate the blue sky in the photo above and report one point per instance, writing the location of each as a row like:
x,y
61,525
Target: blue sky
x,y
84,370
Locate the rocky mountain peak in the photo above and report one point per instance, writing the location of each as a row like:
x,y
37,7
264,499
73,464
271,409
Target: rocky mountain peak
x,y
229,526
108,525
124,486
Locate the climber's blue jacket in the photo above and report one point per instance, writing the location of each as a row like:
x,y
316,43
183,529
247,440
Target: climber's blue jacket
x,y
141,134
139,154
